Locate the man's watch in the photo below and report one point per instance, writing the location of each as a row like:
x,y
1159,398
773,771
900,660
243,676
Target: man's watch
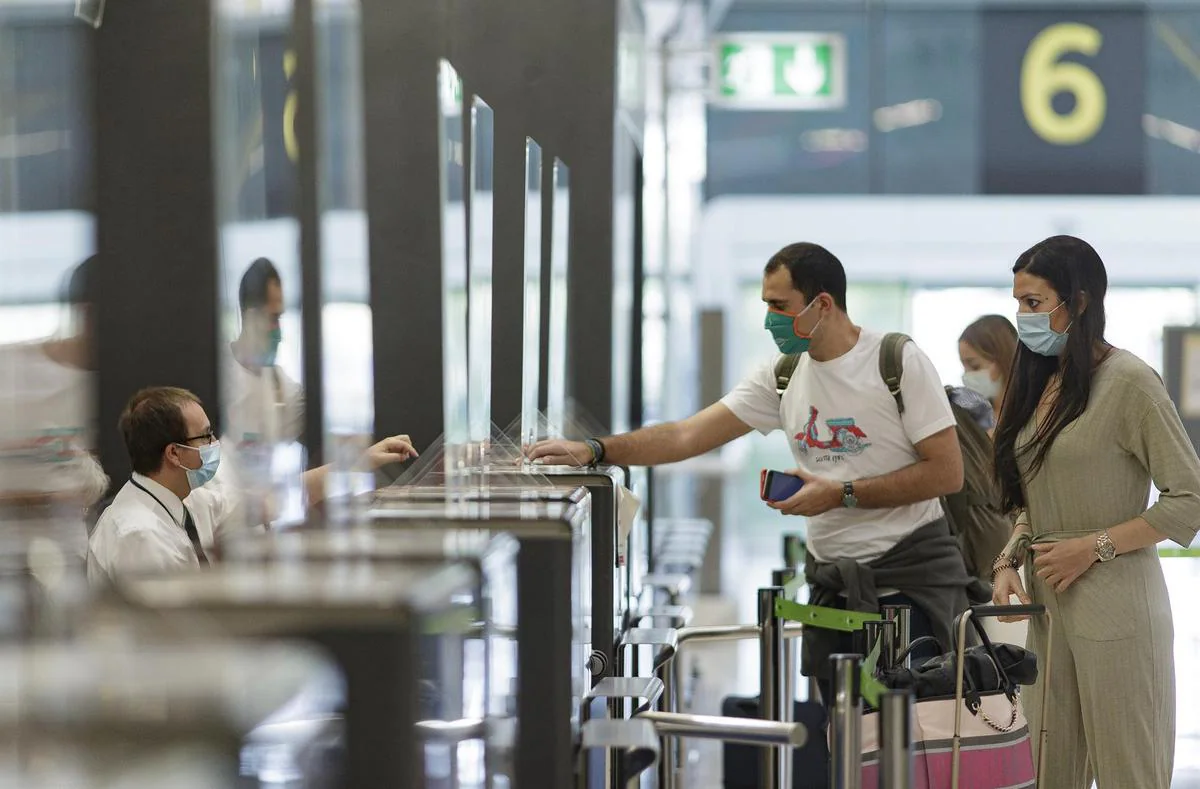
x,y
849,500
1106,551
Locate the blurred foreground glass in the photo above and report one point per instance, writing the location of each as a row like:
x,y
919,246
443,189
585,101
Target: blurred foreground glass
x,y
114,714
48,475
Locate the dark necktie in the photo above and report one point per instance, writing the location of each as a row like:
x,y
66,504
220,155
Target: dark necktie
x,y
189,526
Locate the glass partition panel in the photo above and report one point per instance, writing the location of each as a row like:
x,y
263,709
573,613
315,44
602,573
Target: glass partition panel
x,y
532,329
479,314
48,475
454,271
560,253
624,205
347,369
261,346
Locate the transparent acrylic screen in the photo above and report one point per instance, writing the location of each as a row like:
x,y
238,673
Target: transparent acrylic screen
x,y
261,348
479,348
532,328
454,259
559,269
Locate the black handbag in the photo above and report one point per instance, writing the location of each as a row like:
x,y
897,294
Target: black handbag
x,y
987,668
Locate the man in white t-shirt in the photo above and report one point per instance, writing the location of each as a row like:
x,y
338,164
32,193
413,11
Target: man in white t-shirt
x,y
264,411
48,475
872,477
262,401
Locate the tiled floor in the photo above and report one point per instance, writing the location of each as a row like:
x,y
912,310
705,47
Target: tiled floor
x,y
726,669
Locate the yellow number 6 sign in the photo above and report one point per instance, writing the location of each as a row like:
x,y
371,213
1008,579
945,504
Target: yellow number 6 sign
x,y
1044,76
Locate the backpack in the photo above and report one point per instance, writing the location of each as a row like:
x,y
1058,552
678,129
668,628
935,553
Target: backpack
x,y
974,512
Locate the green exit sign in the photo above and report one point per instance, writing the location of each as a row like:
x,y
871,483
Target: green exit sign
x,y
798,71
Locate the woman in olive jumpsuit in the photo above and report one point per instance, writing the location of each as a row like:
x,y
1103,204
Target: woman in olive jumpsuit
x,y
1085,429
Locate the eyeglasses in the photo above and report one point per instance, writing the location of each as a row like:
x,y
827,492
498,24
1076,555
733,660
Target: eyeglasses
x,y
207,438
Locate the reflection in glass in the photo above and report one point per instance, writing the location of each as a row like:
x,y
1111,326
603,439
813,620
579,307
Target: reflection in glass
x,y
560,233
48,475
479,349
454,271
260,345
531,347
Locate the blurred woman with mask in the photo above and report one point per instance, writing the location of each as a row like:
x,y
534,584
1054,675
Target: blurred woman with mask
x,y
987,348
1084,431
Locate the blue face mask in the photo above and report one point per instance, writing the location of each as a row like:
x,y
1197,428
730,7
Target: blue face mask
x,y
782,327
210,459
1034,330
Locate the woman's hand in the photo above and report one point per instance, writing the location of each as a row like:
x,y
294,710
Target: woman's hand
x,y
1006,584
1059,564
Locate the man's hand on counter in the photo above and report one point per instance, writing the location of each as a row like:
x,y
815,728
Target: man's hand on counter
x,y
559,453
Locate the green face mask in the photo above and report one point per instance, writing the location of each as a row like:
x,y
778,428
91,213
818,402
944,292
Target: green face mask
x,y
782,327
274,338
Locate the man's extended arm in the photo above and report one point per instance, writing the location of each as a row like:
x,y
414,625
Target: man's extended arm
x,y
651,446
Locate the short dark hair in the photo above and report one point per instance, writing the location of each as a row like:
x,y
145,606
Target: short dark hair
x,y
252,292
814,270
152,421
77,288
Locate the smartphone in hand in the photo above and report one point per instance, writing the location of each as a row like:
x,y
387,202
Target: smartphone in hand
x,y
778,486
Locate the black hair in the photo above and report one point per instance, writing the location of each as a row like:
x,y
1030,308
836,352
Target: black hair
x,y
252,292
814,270
78,286
1075,271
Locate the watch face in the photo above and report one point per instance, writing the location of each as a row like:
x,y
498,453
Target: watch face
x,y
1106,551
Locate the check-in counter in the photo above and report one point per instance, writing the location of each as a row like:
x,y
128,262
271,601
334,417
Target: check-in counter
x,y
612,585
553,569
384,624
103,714
490,651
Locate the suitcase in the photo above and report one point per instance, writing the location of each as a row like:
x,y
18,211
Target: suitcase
x,y
953,750
810,764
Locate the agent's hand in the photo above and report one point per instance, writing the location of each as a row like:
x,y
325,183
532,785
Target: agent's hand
x,y
395,449
818,496
559,453
1006,584
1060,564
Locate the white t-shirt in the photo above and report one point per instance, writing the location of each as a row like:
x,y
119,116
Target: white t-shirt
x,y
46,427
263,419
844,425
263,406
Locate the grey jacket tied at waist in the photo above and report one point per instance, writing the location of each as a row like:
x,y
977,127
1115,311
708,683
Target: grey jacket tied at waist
x,y
927,566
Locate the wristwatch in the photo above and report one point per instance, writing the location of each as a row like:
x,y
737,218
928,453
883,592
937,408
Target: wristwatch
x,y
849,500
1105,550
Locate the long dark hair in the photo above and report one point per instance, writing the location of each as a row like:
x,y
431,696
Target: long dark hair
x,y
1077,275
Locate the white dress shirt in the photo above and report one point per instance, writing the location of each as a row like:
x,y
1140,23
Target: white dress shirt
x,y
143,530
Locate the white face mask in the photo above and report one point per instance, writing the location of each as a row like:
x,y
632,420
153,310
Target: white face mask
x,y
981,382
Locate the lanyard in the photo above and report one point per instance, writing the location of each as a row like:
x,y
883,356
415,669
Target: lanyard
x,y
192,535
